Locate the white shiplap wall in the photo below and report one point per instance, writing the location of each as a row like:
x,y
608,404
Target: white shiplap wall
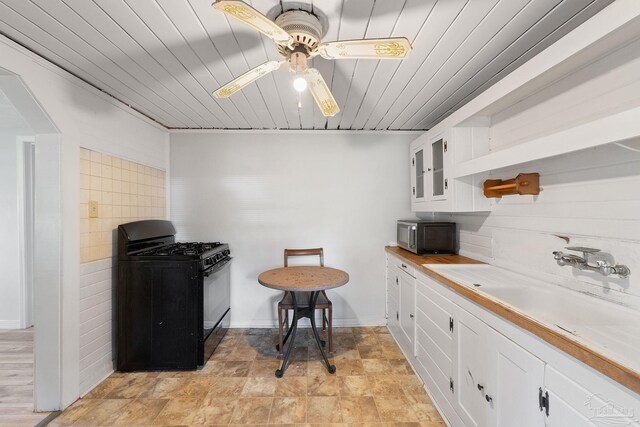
x,y
592,197
96,355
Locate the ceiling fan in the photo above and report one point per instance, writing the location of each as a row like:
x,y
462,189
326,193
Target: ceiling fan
x,y
298,36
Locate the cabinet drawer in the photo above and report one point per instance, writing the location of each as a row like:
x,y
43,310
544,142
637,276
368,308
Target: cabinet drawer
x,y
402,265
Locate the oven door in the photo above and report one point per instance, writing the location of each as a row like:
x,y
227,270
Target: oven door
x,y
216,303
407,232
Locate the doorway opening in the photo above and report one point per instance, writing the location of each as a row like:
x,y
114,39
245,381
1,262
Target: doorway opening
x,y
30,285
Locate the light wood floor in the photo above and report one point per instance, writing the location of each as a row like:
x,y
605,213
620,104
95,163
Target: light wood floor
x,y
16,379
373,385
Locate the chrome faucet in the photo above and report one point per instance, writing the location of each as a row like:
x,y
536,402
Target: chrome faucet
x,y
604,263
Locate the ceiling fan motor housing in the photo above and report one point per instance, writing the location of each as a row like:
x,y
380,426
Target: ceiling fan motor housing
x,y
304,27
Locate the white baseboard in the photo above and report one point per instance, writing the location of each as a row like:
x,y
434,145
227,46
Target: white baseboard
x,y
10,324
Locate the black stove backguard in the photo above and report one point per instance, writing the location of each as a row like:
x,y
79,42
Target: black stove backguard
x,y
163,301
141,235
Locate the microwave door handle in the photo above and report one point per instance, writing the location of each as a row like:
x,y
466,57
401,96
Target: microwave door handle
x,y
412,237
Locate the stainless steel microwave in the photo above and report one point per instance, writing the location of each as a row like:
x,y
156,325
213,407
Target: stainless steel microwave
x,y
427,237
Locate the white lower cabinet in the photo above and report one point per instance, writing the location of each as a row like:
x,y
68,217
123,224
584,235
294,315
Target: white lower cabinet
x,y
497,380
482,371
401,298
435,345
515,384
407,309
472,370
393,297
578,398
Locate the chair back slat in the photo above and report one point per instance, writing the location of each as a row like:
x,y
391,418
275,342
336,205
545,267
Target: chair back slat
x,y
303,252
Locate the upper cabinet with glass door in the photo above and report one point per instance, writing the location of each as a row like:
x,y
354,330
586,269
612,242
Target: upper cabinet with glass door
x,y
439,185
433,189
418,170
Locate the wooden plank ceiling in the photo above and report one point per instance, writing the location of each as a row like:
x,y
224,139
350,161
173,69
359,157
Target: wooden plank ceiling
x,y
165,57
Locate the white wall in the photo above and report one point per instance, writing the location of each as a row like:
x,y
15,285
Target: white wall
x,y
592,197
263,192
10,300
91,119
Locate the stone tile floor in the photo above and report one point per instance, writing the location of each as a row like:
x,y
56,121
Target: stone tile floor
x,y
373,385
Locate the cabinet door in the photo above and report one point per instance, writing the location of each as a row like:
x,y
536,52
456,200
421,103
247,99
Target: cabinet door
x,y
513,389
578,397
393,296
175,321
438,184
434,340
407,307
470,369
418,173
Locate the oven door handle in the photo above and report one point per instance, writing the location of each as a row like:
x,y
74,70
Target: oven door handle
x,y
216,267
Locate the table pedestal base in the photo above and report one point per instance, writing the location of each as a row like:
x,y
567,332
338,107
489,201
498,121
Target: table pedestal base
x,y
303,312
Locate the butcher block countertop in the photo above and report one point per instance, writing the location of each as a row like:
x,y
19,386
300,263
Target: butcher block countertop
x,y
598,360
418,260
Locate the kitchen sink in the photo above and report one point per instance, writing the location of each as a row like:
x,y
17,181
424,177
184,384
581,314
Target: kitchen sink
x,y
594,321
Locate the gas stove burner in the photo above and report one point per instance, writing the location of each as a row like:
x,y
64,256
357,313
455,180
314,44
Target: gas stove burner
x,y
190,249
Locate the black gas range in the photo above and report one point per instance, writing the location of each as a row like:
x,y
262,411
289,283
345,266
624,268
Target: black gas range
x,y
172,298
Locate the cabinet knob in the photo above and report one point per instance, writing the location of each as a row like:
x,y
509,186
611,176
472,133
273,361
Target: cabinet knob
x,y
428,170
480,387
411,316
488,398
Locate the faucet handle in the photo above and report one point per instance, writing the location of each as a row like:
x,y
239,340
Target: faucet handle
x,y
583,249
605,267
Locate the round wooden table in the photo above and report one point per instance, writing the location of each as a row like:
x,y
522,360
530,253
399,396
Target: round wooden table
x,y
313,279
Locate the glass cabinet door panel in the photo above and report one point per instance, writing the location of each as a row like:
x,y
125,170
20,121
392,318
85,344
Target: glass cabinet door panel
x,y
437,151
419,174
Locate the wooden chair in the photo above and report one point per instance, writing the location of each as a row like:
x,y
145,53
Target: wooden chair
x,y
323,303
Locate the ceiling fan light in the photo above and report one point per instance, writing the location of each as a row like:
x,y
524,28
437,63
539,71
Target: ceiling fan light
x,y
300,84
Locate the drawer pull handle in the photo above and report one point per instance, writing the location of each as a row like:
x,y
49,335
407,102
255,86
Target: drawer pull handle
x,y
403,266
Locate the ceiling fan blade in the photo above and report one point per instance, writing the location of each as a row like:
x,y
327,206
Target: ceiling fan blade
x,y
245,13
321,93
247,78
394,48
